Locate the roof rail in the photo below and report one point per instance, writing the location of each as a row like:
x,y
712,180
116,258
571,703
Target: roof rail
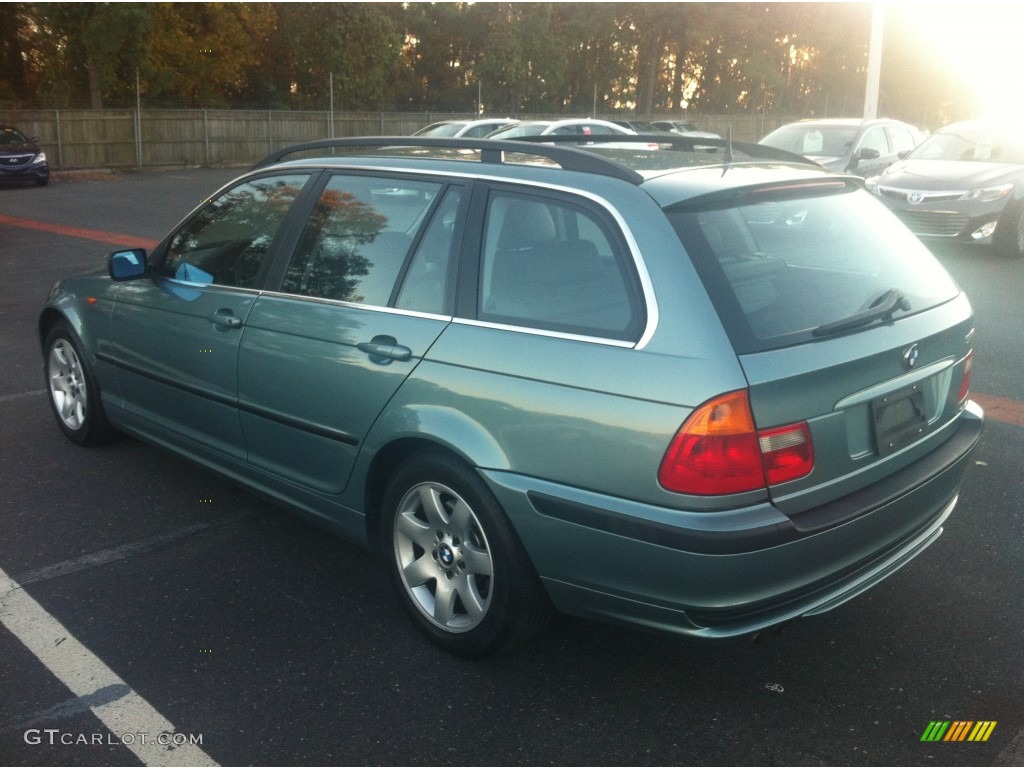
x,y
491,151
683,143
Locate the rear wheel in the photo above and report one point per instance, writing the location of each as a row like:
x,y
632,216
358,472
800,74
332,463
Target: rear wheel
x,y
74,393
1010,231
455,561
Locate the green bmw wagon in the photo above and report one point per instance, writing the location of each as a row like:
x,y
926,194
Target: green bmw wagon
x,y
704,390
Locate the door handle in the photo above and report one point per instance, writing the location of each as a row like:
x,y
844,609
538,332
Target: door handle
x,y
384,349
225,319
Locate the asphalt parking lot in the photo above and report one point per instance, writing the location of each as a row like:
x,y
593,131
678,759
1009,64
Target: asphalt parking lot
x,y
219,630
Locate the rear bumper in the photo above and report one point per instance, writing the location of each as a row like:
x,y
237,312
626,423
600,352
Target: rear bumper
x,y
720,575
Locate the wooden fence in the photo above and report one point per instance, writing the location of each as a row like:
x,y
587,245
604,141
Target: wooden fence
x,y
110,138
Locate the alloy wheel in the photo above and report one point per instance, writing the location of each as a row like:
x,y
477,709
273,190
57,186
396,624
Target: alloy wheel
x,y
68,389
443,557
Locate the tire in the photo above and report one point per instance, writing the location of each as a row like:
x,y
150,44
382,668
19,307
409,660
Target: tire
x,y
1010,231
74,393
455,562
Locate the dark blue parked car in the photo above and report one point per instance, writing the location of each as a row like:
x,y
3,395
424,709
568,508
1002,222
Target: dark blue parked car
x,y
21,159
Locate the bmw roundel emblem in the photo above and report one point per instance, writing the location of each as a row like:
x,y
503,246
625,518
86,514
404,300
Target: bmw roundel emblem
x,y
445,555
910,355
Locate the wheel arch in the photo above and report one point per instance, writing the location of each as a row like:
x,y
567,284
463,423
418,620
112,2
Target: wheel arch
x,y
425,429
47,319
51,315
1009,237
92,428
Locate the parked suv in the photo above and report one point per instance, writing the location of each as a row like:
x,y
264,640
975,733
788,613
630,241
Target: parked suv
x,y
705,392
848,145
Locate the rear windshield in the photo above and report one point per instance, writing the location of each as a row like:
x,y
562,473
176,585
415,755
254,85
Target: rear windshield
x,y
790,265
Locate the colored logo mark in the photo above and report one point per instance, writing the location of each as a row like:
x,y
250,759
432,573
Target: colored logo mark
x,y
958,730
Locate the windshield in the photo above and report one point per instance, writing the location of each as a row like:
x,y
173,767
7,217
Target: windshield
x,y
11,136
971,143
524,129
787,266
815,140
440,129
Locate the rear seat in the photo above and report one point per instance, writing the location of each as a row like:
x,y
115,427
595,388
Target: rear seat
x,y
550,281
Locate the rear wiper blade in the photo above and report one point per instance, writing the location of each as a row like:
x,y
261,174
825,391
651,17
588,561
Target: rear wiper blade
x,y
881,308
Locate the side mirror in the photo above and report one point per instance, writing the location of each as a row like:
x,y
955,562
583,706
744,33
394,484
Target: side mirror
x,y
128,264
864,153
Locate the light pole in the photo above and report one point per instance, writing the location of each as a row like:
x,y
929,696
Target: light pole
x,y
874,62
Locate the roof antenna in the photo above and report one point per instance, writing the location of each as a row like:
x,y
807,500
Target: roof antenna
x,y
727,160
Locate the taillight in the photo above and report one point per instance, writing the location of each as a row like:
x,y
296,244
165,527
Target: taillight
x,y
965,382
718,450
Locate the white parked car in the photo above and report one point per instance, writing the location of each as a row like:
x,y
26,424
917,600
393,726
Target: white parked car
x,y
469,129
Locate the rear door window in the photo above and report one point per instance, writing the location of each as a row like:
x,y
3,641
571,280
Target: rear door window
x,y
359,236
785,265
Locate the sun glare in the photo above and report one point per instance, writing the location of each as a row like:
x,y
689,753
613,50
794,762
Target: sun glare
x,y
981,42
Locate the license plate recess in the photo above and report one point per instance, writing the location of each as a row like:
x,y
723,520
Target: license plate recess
x,y
899,419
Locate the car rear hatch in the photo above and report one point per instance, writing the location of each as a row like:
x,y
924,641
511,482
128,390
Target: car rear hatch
x,y
855,342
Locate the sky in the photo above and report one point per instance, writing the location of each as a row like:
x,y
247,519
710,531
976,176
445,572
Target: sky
x,y
983,41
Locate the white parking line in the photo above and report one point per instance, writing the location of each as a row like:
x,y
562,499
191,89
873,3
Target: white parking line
x,y
1014,752
105,556
33,393
130,718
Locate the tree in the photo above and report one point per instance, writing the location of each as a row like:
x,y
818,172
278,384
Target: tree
x,y
199,53
598,56
783,58
14,26
443,43
523,57
358,43
91,49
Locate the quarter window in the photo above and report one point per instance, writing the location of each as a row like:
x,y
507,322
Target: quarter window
x,y
358,236
228,241
426,284
552,264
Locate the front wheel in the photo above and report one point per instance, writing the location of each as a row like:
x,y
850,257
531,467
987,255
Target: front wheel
x,y
455,561
74,393
1010,231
